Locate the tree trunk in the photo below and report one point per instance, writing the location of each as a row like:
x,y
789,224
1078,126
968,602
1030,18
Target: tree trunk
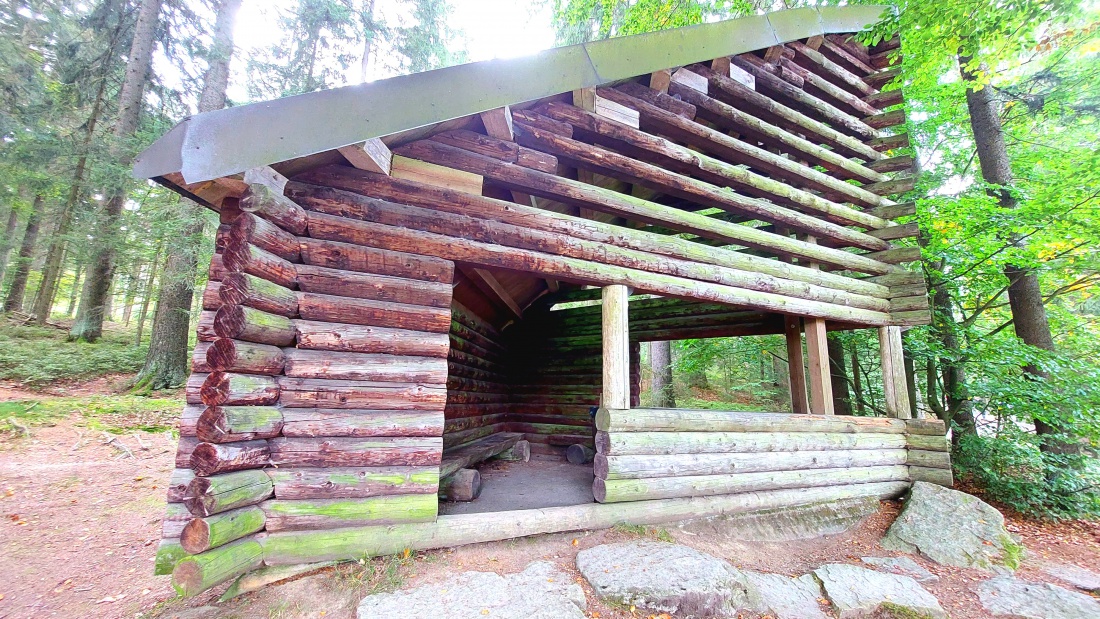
x,y
368,40
166,363
8,242
75,287
133,284
14,301
660,361
89,320
857,387
1025,298
838,374
146,295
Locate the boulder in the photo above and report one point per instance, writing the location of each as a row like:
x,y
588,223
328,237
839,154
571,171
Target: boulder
x,y
1077,576
782,597
859,592
663,577
901,565
952,528
539,592
1005,596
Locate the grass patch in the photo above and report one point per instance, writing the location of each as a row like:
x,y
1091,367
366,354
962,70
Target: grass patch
x,y
38,356
117,414
375,575
642,530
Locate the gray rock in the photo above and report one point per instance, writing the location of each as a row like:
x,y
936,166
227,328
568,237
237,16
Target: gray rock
x,y
663,577
901,565
783,597
539,592
952,528
859,592
1077,576
791,523
1005,596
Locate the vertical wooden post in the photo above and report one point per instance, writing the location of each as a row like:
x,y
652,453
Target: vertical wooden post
x,y
894,387
817,350
792,329
616,347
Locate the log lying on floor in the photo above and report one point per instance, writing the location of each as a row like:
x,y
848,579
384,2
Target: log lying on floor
x,y
202,534
197,573
462,485
212,459
579,454
684,465
231,389
612,491
252,325
227,424
331,513
520,452
477,451
207,496
328,452
364,366
455,530
689,420
318,422
353,482
264,576
656,443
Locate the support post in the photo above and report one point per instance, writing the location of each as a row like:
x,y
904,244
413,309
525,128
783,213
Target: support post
x,y
792,329
616,347
894,387
817,349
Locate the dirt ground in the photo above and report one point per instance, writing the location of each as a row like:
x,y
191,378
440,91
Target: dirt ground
x,y
81,522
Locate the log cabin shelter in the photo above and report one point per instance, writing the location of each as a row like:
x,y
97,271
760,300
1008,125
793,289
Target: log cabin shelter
x,y
420,274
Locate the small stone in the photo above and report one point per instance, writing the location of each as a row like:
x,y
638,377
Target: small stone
x,y
859,592
663,577
783,597
1077,576
901,565
539,592
1005,596
952,528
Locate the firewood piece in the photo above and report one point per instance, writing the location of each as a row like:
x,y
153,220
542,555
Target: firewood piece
x,y
520,452
228,355
373,287
178,483
197,573
331,308
275,208
318,422
462,485
228,424
220,493
228,389
245,258
212,459
258,293
369,339
353,482
240,322
369,259
329,452
202,534
579,454
334,513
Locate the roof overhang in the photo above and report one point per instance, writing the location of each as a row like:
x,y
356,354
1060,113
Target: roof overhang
x,y
225,142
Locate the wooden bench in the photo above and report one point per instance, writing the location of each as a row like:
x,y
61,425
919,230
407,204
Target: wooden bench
x,y
458,482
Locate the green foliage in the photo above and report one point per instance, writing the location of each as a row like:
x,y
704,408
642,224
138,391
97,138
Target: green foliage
x,y
580,21
640,530
39,356
112,413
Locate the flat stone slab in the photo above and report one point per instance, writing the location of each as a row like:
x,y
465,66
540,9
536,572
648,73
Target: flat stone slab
x,y
903,566
1077,576
952,528
783,597
1006,596
663,577
541,591
859,592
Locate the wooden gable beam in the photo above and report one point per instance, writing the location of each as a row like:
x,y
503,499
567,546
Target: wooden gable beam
x,y
371,155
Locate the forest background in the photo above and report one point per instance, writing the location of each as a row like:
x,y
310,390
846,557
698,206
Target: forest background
x,y
100,273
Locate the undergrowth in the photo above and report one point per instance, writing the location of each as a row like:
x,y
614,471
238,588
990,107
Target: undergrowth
x,y
642,530
113,413
38,356
376,575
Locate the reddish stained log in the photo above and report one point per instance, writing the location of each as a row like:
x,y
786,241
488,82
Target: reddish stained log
x,y
228,424
192,391
257,293
211,296
373,287
198,357
228,389
369,339
544,123
228,355
205,328
398,451
275,208
506,151
817,62
466,455
216,271
361,366
363,259
320,422
184,449
177,484
250,229
245,258
318,393
839,50
211,459
880,79
239,322
329,308
900,163
885,98
220,493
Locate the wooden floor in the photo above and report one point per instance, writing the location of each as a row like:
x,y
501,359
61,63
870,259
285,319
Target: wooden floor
x,y
545,481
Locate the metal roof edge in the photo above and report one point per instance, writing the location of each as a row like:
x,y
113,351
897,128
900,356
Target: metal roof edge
x,y
229,141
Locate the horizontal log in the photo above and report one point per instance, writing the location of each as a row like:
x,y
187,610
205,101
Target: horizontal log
x,y
456,440
330,308
333,336
928,442
373,287
213,459
931,427
169,552
506,151
239,322
353,482
684,465
204,329
275,208
656,443
197,573
889,142
199,362
317,422
229,424
520,452
694,420
207,496
930,459
334,513
192,390
202,534
257,293
885,98
374,260
579,454
184,449
227,355
244,258
942,477
375,451
823,66
619,490
895,186
363,366
230,389
249,229
177,484
453,530
320,393
900,163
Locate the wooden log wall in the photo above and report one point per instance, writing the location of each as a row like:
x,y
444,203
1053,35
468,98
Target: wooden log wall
x,y
646,454
478,393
